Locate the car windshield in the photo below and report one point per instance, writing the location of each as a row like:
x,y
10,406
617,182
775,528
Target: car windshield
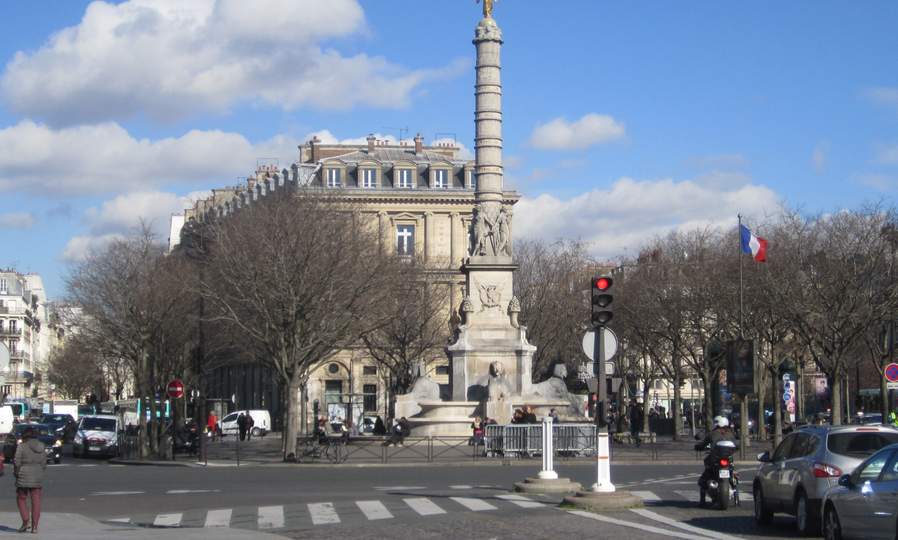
x,y
859,443
98,424
40,429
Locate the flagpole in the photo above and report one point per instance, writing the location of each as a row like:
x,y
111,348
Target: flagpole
x,y
740,274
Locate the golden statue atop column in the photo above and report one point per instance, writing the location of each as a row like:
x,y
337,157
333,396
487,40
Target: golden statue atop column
x,y
487,9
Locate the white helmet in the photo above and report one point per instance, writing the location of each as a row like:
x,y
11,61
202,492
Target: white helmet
x,y
721,421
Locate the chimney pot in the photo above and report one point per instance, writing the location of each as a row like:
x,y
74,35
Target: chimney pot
x,y
313,145
419,144
371,140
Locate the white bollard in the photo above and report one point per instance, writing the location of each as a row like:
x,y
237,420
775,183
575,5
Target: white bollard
x,y
548,472
603,465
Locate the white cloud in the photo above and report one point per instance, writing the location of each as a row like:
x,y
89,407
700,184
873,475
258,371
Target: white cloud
x,y
887,154
882,95
592,129
106,159
879,182
121,215
171,59
632,212
17,220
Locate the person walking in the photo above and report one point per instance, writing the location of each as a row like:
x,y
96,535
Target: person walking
x,y
636,418
241,426
250,423
30,464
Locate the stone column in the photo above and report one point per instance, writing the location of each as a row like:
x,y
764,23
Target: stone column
x,y
454,240
384,229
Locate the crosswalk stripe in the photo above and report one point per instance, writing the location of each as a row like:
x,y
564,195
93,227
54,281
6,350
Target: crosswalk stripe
x,y
271,517
646,496
520,500
323,513
691,495
460,487
424,506
218,518
374,510
120,520
477,505
168,520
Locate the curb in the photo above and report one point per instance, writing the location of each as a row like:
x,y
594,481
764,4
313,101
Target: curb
x,y
412,465
137,463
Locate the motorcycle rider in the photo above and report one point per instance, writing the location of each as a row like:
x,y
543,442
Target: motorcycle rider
x,y
721,432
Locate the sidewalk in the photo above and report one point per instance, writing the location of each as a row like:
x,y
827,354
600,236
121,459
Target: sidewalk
x,y
77,527
367,452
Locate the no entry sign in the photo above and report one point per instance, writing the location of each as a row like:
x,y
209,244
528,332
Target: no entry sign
x,y
891,372
175,389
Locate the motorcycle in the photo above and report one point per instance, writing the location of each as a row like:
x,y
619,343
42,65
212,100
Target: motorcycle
x,y
187,439
721,483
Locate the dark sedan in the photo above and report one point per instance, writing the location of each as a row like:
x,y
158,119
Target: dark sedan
x,y
63,425
50,440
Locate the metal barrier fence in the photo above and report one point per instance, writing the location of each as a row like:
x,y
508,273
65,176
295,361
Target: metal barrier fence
x,y
521,440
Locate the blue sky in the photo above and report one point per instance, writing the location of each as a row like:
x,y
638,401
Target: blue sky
x,y
623,120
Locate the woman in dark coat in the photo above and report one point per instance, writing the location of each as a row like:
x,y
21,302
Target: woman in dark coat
x,y
30,464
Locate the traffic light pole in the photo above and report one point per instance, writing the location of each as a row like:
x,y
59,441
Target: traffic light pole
x,y
603,455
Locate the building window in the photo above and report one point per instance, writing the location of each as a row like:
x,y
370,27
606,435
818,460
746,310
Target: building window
x,y
13,326
405,239
404,178
369,370
2,284
472,180
2,322
13,346
334,178
333,392
442,370
333,368
440,179
369,178
369,392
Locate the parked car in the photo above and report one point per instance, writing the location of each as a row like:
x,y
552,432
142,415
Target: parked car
x,y
97,435
44,434
864,504
62,425
261,422
808,462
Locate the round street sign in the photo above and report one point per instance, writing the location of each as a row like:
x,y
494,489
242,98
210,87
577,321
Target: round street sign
x,y
787,377
175,389
891,372
787,396
589,342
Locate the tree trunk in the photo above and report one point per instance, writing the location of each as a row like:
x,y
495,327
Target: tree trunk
x,y
707,385
646,407
677,409
837,399
291,427
777,413
762,424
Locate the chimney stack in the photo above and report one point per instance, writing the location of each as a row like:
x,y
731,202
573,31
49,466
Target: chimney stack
x,y
371,140
313,145
419,144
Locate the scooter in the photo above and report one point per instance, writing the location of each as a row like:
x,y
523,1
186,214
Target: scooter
x,y
722,482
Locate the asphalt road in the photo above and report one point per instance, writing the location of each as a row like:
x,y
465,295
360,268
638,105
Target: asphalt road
x,y
460,501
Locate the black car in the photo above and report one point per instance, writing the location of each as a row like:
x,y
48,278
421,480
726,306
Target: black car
x,y
62,425
50,440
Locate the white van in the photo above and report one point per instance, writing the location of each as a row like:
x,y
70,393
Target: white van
x,y
261,422
6,419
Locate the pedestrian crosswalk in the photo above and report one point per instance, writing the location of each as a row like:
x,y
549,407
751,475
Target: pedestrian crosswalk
x,y
691,495
331,513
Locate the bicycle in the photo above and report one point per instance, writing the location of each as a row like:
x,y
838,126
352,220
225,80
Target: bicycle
x,y
331,449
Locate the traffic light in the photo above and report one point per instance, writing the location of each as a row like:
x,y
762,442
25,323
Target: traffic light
x,y
601,300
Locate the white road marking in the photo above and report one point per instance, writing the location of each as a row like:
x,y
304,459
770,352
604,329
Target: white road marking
x,y
397,488
520,500
184,491
90,465
105,493
113,465
374,510
674,523
691,496
168,520
424,507
120,520
323,513
477,505
640,526
271,517
460,487
646,496
218,518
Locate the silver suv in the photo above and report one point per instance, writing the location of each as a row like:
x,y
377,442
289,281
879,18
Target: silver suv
x,y
806,464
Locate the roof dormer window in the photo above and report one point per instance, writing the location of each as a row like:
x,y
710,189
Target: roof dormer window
x,y
334,178
369,178
440,179
404,178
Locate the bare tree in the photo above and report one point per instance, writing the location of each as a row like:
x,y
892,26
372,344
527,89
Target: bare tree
x,y
299,276
75,371
414,326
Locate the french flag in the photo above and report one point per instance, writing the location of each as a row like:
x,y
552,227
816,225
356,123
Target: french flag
x,y
755,245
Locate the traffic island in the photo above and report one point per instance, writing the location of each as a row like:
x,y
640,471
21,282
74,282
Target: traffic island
x,y
547,485
603,502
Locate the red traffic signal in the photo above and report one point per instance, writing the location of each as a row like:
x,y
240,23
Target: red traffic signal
x,y
602,283
601,301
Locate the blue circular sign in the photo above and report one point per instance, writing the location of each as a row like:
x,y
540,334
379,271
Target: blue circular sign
x,y
891,372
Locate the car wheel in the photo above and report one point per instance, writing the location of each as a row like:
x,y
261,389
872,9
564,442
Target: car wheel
x,y
832,529
257,432
805,517
763,515
57,460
